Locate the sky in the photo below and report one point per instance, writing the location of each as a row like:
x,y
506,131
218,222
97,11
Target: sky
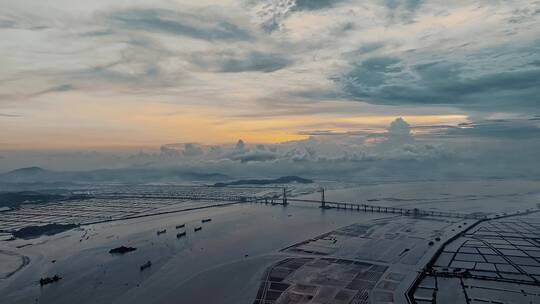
x,y
84,76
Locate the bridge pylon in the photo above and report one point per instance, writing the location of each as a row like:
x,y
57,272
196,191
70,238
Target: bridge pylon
x,y
323,201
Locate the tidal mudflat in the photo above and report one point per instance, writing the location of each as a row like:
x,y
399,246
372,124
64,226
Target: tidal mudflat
x,y
251,252
229,254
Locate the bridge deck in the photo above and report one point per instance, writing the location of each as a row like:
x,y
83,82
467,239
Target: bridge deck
x,y
326,204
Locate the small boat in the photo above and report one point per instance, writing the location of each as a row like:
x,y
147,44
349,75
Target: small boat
x,y
45,281
206,220
198,228
180,226
146,265
122,250
181,234
161,231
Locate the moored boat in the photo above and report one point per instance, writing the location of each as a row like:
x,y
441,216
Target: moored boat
x,y
146,265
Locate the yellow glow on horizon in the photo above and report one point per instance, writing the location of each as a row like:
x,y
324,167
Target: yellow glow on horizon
x,y
97,125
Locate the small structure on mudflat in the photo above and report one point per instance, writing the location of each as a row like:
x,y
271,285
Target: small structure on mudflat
x,y
48,280
122,249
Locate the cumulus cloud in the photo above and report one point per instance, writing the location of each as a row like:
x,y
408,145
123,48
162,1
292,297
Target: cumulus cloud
x,y
398,154
192,150
399,132
240,145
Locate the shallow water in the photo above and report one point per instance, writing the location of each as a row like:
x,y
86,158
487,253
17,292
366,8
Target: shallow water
x,y
490,196
222,263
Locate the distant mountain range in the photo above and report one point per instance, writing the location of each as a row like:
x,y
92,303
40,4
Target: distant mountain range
x,y
128,175
281,180
37,175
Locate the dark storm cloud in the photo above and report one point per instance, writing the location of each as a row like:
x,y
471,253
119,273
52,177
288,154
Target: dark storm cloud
x,y
198,26
501,129
230,62
375,71
384,80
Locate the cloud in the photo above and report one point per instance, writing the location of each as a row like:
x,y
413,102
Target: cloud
x,y
403,9
9,115
273,14
400,131
390,81
256,156
139,66
371,74
98,33
240,145
370,47
398,154
333,59
309,5
234,62
5,23
322,133
139,75
403,4
191,150
57,89
195,25
30,23
515,129
167,150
